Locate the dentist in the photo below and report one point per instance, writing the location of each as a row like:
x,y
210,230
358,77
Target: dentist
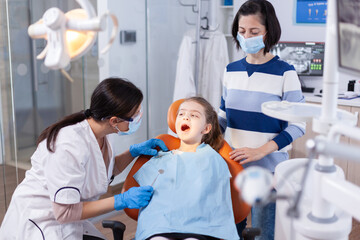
x,y
258,140
73,166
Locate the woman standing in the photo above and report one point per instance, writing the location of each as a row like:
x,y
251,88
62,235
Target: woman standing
x,y
73,166
259,77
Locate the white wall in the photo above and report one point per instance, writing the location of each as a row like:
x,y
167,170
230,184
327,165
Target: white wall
x,y
125,61
150,63
166,25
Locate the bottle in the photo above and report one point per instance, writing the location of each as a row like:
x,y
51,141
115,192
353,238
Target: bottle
x,y
357,87
351,85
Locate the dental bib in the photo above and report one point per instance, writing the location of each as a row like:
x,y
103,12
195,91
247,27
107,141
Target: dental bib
x,y
191,196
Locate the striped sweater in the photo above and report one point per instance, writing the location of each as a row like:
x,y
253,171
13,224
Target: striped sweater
x,y
245,87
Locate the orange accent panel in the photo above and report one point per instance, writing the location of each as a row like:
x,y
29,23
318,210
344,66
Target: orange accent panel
x,y
240,208
172,143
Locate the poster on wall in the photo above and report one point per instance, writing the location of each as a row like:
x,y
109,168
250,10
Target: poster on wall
x,y
310,11
349,34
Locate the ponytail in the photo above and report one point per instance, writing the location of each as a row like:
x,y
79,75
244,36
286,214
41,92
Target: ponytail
x,y
214,138
112,97
51,132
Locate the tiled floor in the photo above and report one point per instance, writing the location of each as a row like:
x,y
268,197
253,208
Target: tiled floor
x,y
8,183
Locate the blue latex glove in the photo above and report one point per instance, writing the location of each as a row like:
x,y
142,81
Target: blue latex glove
x,y
147,147
135,197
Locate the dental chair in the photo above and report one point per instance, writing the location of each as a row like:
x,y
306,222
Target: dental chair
x,y
240,208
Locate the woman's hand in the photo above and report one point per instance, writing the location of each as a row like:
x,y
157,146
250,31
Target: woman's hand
x,y
135,197
148,147
246,155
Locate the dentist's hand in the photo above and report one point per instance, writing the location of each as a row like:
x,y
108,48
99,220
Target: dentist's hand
x,y
147,147
135,197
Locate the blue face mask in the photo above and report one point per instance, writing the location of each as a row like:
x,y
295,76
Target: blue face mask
x,y
134,125
251,45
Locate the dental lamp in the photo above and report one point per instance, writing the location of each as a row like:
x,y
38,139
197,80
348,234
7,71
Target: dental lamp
x,y
69,35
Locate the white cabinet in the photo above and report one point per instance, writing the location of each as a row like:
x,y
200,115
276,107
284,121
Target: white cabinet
x,y
225,17
351,169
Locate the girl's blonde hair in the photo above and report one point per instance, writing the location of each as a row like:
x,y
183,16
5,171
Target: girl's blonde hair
x,y
214,138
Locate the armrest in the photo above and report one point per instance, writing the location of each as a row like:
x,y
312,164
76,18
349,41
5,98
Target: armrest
x,y
117,227
250,233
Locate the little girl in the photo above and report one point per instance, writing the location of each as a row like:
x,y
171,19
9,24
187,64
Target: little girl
x,y
191,197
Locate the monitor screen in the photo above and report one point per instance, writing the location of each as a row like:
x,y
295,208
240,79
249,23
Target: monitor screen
x,y
349,34
306,57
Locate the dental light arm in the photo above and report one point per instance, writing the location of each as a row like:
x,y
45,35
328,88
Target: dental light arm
x,y
94,24
86,5
55,25
255,183
69,35
339,192
335,149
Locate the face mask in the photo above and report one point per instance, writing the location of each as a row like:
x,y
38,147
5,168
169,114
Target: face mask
x,y
251,45
133,125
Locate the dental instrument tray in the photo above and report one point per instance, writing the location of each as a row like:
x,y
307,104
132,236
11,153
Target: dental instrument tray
x,y
300,112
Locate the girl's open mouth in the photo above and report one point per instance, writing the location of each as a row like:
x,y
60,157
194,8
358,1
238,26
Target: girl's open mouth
x,y
185,128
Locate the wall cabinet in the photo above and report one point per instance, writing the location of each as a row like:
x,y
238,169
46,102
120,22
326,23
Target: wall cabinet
x,y
225,17
351,169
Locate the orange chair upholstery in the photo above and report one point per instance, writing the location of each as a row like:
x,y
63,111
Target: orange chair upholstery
x,y
240,208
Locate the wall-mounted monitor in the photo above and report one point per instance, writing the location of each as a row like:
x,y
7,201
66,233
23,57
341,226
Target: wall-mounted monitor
x,y
349,35
306,57
311,11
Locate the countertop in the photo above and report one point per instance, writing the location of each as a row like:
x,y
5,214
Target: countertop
x,y
310,97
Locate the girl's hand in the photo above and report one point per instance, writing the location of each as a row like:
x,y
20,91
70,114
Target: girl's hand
x,y
246,155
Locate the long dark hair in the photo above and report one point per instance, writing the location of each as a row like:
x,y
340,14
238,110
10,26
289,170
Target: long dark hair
x,y
214,138
265,10
112,97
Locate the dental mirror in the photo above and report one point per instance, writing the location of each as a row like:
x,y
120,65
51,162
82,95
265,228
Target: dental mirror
x,y
160,171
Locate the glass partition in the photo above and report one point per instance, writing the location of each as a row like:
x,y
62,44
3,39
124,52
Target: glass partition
x,y
32,96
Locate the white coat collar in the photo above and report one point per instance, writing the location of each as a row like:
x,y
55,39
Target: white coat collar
x,y
92,140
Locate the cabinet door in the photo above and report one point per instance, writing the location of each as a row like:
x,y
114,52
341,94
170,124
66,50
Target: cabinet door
x,y
298,146
354,168
299,149
341,162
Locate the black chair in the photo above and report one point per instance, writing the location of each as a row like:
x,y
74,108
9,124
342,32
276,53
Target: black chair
x,y
118,229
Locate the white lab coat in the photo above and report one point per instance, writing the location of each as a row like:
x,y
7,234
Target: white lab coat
x,y
74,172
212,62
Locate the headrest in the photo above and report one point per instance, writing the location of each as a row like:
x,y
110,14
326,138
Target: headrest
x,y
172,113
